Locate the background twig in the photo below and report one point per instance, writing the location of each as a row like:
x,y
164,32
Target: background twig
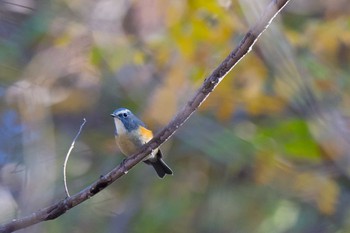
x,y
207,87
67,157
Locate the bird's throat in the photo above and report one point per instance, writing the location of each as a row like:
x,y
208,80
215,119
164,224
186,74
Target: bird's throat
x,y
119,126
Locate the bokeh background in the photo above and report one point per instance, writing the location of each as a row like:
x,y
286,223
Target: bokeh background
x,y
268,151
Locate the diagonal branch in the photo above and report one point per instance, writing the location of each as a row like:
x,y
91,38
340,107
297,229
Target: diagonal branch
x,y
203,92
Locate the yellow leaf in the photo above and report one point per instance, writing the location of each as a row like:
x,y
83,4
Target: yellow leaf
x,y
264,168
328,196
167,96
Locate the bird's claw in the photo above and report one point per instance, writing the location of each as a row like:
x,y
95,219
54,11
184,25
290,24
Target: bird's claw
x,y
122,165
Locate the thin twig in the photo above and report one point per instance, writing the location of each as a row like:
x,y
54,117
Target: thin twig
x,y
16,4
209,84
67,156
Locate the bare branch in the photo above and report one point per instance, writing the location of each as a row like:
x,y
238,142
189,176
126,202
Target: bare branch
x,y
67,157
19,5
203,92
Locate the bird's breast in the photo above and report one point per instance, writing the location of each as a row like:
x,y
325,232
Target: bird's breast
x,y
128,145
130,142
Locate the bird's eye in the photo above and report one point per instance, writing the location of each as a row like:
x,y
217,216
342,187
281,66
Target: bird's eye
x,y
122,115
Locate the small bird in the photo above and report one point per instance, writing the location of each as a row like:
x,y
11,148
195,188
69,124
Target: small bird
x,y
131,133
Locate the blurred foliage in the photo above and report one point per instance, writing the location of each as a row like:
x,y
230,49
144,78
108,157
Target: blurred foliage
x,y
267,152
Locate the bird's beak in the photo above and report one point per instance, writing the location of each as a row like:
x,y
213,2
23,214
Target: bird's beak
x,y
112,115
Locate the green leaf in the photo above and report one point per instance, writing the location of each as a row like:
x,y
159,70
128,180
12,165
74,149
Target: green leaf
x,y
291,138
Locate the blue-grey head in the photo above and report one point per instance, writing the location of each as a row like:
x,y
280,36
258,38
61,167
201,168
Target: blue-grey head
x,y
125,121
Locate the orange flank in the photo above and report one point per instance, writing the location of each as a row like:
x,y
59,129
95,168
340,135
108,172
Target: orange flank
x,y
145,133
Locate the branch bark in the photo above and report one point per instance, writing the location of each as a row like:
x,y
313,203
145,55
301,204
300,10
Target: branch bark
x,y
209,84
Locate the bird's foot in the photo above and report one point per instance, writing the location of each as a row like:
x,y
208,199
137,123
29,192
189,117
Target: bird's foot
x,y
122,165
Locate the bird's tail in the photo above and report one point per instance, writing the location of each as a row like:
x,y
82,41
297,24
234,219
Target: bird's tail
x,y
159,165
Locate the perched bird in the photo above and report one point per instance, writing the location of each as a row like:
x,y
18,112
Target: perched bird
x,y
131,133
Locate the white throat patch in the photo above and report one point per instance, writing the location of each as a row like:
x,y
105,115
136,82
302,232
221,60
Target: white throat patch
x,y
119,126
